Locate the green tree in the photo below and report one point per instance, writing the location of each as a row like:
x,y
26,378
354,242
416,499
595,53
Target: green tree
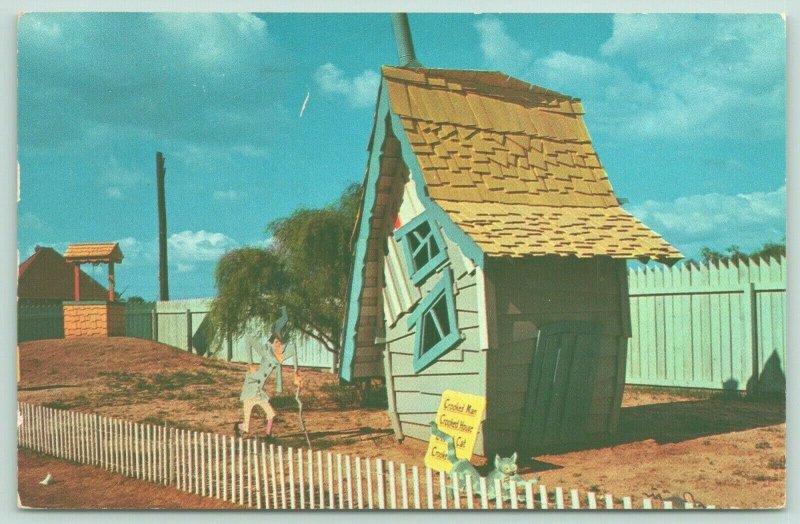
x,y
735,254
305,268
248,281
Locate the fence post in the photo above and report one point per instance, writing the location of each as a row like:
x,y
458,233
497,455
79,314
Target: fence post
x,y
264,474
189,330
310,469
202,464
257,476
320,480
154,323
216,464
224,468
750,313
249,474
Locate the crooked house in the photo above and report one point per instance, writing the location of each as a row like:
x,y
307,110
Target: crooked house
x,y
490,258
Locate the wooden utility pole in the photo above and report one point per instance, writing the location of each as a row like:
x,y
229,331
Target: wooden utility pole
x,y
163,275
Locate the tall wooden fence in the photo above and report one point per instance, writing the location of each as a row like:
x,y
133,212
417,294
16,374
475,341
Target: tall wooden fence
x,y
255,475
184,324
139,320
37,322
180,323
717,326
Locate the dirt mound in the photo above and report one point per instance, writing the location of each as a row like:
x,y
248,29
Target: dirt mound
x,y
43,362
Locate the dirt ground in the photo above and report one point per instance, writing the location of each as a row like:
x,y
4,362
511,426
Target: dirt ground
x,y
85,487
727,452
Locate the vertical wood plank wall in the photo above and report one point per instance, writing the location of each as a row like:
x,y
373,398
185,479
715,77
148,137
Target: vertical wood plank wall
x,y
533,292
718,326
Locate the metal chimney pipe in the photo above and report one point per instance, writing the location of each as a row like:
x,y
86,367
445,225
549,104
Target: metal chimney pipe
x,y
402,36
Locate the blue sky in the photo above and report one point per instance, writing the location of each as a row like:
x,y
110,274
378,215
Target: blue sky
x,y
687,113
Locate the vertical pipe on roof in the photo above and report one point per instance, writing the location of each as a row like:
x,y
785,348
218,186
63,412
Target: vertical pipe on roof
x,y
402,36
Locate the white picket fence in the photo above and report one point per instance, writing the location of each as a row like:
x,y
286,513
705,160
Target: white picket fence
x,y
254,475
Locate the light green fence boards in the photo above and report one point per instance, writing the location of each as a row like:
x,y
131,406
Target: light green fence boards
x,y
139,320
173,319
38,322
709,327
174,322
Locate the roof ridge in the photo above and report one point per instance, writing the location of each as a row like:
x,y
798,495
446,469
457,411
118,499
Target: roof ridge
x,y
493,78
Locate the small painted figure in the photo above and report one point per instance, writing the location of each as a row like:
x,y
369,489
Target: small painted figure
x,y
253,394
505,470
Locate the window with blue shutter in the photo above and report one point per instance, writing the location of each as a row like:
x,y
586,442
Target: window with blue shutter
x,y
435,322
423,247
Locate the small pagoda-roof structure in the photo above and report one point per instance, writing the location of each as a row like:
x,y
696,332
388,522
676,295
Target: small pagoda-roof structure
x,y
94,253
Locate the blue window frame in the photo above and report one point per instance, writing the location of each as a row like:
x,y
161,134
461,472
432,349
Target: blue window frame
x,y
435,322
423,247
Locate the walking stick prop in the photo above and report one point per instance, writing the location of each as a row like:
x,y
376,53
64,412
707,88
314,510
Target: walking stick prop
x,y
275,335
298,384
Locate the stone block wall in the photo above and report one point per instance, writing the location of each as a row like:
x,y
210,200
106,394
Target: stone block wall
x,y
94,319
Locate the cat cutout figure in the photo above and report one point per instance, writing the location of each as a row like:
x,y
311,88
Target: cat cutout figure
x,y
505,470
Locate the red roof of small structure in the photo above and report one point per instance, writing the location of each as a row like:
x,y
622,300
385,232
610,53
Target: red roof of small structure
x,y
46,275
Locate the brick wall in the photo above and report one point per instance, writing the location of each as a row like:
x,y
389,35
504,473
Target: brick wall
x,y
94,319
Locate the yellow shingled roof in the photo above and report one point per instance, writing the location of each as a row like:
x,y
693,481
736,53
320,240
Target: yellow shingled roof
x,y
513,166
94,252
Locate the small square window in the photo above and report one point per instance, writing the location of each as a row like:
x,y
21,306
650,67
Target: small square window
x,y
423,247
435,322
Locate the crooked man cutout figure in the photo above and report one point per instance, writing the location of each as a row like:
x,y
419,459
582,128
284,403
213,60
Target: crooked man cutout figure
x,y
253,394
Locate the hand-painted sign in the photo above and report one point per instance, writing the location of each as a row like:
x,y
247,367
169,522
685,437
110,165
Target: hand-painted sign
x,y
459,415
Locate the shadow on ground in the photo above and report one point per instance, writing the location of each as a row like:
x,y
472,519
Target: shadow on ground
x,y
679,421
673,422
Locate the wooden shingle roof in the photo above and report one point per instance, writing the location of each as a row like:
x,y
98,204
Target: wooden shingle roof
x,y
513,166
94,253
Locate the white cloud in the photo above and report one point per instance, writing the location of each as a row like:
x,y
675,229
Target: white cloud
x,y
360,90
718,221
95,271
666,76
229,194
718,75
88,79
185,250
30,222
138,253
209,38
46,30
198,246
499,49
114,192
114,178
267,242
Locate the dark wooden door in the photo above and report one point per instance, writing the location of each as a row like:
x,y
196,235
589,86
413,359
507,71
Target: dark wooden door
x,y
560,385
